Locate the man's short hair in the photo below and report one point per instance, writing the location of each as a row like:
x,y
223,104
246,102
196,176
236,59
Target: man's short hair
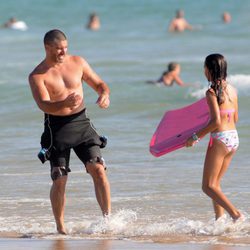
x,y
53,35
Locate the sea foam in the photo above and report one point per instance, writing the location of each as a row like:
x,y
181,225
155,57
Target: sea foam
x,y
240,82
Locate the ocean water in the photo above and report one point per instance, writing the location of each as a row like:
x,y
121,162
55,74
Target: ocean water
x,y
153,199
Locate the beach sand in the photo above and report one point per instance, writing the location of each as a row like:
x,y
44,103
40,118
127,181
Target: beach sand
x,y
89,244
14,241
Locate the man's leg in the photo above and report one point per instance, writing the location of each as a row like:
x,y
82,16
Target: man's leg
x,y
101,183
58,199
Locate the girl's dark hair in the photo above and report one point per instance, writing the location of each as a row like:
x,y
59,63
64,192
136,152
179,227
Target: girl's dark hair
x,y
217,68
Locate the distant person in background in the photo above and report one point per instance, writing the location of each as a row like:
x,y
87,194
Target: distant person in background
x,y
94,22
226,17
179,24
15,24
172,75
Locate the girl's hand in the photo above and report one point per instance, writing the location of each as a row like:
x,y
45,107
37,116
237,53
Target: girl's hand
x,y
190,142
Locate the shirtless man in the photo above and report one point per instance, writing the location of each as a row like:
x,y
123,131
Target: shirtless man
x,y
179,24
56,85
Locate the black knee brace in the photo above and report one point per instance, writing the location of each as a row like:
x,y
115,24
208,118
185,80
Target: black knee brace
x,y
57,172
97,160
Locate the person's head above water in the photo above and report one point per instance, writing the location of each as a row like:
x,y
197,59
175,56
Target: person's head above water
x,y
173,66
179,14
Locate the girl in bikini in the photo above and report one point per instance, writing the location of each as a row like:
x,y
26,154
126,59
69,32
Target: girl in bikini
x,y
223,105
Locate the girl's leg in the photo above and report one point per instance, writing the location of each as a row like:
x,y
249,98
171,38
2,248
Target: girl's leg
x,y
216,163
219,210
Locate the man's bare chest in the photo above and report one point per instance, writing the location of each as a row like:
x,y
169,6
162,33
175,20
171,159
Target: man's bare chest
x,y
67,79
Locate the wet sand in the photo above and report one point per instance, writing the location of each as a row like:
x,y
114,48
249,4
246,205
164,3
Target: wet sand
x,y
89,244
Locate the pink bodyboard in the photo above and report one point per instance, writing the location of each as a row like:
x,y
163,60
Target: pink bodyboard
x,y
177,126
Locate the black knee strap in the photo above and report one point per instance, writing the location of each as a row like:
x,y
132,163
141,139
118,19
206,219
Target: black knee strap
x,y
58,172
97,160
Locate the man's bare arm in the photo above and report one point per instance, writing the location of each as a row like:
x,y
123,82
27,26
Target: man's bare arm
x,y
43,101
95,82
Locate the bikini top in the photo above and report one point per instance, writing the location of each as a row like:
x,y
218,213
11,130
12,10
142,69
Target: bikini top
x,y
229,113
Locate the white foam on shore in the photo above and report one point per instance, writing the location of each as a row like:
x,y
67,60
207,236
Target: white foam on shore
x,y
127,224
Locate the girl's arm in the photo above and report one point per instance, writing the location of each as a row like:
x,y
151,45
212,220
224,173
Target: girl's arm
x,y
215,119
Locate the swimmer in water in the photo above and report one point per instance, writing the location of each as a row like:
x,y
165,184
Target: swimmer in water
x,y
15,24
94,22
179,23
171,76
